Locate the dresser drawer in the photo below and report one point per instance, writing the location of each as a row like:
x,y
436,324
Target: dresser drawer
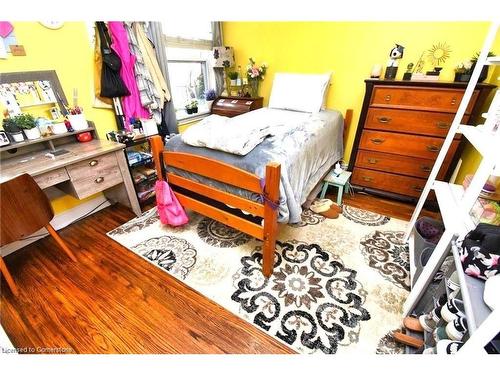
x,y
403,144
93,168
51,178
405,165
414,122
423,98
85,187
404,185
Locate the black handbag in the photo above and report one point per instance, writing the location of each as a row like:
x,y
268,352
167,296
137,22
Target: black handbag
x,y
112,85
480,252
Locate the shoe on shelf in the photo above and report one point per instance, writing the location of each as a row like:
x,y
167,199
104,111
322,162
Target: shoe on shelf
x,y
414,342
440,334
448,346
456,329
452,310
443,298
412,324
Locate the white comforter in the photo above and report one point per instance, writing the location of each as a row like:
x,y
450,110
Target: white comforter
x,y
239,135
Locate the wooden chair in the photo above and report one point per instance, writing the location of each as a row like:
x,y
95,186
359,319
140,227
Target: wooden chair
x,y
24,209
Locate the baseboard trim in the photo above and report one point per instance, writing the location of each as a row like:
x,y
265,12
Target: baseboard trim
x,y
59,221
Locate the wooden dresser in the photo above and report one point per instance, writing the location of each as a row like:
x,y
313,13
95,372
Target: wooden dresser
x,y
401,130
231,106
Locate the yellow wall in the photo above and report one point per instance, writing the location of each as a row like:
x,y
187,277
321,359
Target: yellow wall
x,y
68,51
349,49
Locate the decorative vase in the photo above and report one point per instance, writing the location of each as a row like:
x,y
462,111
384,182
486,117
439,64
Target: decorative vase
x,y
254,87
33,133
234,82
209,105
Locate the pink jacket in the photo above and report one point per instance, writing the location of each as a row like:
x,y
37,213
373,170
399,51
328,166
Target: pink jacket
x,y
131,104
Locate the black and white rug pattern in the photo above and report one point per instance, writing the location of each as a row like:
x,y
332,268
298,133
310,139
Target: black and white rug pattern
x,y
364,217
331,291
312,299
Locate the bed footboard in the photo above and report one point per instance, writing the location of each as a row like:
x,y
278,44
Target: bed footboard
x,y
228,174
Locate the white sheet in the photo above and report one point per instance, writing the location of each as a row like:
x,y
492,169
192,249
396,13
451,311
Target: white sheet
x,y
241,134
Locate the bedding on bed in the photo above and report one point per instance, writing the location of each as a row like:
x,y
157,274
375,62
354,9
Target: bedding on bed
x,y
306,145
241,134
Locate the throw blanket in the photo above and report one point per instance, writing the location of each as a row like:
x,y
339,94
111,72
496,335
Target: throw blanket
x,y
239,135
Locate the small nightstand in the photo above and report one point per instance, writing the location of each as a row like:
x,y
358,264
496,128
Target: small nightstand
x,y
231,106
341,181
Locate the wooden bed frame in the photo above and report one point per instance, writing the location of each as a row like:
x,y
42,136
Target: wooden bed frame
x,y
230,175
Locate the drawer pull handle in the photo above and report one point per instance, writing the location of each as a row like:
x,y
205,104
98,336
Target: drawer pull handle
x,y
377,141
387,98
425,168
432,148
98,180
367,179
372,161
384,120
418,189
453,101
93,163
442,125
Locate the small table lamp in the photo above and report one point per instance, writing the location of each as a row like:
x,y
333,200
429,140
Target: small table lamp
x,y
223,58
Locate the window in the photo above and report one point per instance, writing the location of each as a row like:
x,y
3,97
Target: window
x,y
190,69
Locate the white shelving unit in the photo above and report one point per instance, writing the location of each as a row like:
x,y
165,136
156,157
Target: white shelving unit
x,y
455,205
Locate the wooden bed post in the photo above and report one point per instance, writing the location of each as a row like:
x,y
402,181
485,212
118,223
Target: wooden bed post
x,y
156,145
272,192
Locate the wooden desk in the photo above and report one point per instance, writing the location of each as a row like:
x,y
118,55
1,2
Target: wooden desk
x,y
88,168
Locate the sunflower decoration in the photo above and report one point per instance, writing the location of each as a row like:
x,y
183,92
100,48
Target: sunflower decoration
x,y
438,53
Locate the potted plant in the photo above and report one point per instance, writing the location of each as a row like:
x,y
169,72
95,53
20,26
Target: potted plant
x,y
12,129
463,72
255,74
484,71
27,122
192,107
233,76
210,96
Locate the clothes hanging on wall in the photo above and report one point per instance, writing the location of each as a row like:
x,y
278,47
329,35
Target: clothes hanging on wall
x,y
132,106
151,63
99,100
148,94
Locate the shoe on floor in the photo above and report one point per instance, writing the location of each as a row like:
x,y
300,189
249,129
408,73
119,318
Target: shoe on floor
x,y
320,205
326,208
452,310
412,324
456,329
448,346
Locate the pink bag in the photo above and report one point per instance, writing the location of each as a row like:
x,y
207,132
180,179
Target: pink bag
x,y
169,209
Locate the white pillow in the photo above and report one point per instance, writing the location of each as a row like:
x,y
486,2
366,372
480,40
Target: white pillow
x,y
299,92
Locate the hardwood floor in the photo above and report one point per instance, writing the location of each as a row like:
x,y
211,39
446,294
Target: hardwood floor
x,y
112,301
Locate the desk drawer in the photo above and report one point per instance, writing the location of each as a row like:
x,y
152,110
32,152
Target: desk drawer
x,y
403,144
423,98
413,122
93,168
88,186
51,178
398,184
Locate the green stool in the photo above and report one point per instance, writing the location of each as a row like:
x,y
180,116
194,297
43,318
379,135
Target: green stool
x,y
341,181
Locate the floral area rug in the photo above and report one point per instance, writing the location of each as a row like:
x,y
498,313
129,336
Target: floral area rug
x,y
338,285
